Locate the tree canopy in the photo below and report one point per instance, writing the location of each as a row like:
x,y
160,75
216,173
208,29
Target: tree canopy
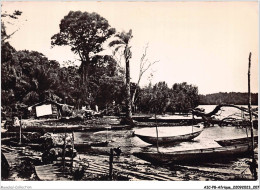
x,y
85,33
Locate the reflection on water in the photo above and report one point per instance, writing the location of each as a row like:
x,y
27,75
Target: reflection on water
x,y
130,144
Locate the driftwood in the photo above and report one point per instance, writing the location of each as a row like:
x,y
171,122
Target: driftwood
x,y
208,119
217,108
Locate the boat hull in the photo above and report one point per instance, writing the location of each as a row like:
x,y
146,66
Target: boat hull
x,y
194,156
230,142
169,139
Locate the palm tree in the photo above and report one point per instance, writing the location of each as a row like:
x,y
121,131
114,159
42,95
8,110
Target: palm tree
x,y
122,41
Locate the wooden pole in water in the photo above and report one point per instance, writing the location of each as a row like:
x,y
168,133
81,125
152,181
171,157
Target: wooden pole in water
x,y
107,135
64,151
20,131
156,125
72,150
192,121
111,164
250,119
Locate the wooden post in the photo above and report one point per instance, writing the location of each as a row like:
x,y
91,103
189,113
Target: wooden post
x,y
192,121
107,135
64,150
157,136
72,150
111,157
250,119
247,132
20,131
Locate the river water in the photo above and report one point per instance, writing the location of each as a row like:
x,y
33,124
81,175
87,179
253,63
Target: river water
x,y
129,144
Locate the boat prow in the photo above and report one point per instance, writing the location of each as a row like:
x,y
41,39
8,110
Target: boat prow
x,y
229,142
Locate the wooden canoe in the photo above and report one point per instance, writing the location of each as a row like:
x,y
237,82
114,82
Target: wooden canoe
x,y
194,156
168,139
229,142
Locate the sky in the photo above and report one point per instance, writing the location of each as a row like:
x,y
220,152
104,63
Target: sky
x,y
206,44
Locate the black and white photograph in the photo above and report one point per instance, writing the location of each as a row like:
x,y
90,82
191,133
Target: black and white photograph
x,y
149,91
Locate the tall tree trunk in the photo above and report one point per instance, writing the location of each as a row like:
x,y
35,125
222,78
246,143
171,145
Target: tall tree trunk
x,y
83,74
87,64
134,94
84,77
128,93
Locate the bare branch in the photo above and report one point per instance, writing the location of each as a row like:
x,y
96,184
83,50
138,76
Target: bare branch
x,y
9,36
150,64
143,67
144,54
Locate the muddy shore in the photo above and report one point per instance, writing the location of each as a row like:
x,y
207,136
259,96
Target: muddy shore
x,y
24,161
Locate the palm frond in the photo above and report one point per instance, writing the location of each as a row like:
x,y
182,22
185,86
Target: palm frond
x,y
115,42
125,36
117,48
120,34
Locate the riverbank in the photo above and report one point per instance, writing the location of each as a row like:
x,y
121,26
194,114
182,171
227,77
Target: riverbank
x,y
126,166
127,169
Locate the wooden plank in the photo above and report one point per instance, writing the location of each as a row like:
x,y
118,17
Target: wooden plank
x,y
89,170
144,175
50,173
95,172
135,173
106,167
4,151
215,170
7,148
98,169
95,168
10,157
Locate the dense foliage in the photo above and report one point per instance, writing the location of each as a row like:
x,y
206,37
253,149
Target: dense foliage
x,y
160,98
29,77
236,98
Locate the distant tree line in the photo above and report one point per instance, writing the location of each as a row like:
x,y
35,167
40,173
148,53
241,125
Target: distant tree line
x,y
159,98
236,98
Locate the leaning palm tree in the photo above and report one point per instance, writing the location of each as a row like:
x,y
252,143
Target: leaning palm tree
x,y
122,42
